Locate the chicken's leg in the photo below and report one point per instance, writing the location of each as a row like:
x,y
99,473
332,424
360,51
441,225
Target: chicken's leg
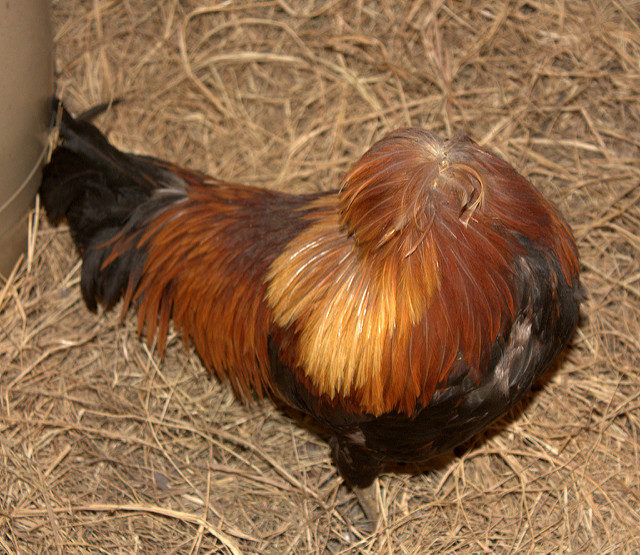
x,y
359,469
368,502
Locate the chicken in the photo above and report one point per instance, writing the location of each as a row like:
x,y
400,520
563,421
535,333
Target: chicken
x,y
403,312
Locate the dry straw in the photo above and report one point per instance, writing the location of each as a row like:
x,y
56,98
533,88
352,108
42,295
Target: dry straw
x,y
104,449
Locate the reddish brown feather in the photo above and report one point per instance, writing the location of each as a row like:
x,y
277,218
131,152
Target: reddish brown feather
x,y
428,230
206,258
374,293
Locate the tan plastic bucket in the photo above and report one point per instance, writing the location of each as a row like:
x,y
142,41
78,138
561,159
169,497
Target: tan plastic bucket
x,y
26,83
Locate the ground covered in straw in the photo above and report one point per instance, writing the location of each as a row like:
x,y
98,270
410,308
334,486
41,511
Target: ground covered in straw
x,y
103,448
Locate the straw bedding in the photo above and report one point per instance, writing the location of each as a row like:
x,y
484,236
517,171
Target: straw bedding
x,y
104,448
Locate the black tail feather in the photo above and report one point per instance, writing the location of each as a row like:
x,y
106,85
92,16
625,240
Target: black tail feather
x,y
83,138
94,111
77,190
101,191
106,285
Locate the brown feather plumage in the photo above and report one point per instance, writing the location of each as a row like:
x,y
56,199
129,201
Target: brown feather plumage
x,y
370,318
414,208
419,301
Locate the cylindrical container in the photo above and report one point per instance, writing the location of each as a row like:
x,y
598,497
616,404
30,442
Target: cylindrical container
x,y
26,84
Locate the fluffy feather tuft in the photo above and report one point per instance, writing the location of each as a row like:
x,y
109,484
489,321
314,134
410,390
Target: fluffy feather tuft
x,y
410,271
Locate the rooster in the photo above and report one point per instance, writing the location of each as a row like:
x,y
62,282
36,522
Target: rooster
x,y
403,312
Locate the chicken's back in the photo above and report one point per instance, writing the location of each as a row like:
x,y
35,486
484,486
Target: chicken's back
x,y
175,244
